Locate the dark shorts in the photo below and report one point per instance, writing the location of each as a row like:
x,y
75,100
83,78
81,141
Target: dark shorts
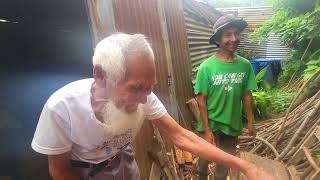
x,y
224,142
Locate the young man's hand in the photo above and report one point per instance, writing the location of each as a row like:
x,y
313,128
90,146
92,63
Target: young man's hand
x,y
252,130
209,137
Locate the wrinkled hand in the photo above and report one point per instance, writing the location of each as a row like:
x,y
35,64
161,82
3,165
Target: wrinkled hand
x,y
209,137
258,174
252,130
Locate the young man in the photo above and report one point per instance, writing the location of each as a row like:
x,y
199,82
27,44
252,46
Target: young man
x,y
223,82
86,127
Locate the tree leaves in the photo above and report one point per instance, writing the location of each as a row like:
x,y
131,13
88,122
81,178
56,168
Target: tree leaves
x,y
261,73
296,24
313,66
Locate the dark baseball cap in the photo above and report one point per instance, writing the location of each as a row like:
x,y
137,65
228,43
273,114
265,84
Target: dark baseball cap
x,y
226,21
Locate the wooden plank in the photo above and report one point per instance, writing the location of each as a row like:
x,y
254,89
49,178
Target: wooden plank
x,y
155,172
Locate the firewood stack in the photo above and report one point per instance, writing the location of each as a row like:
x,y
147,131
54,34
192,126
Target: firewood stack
x,y
281,138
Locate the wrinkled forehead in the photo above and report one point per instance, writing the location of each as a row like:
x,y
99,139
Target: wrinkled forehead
x,y
140,68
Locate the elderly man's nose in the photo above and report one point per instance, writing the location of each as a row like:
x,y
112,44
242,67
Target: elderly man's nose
x,y
143,98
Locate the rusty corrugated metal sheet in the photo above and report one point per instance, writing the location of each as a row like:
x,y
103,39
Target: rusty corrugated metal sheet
x,y
269,49
141,16
275,50
255,16
248,45
199,31
179,56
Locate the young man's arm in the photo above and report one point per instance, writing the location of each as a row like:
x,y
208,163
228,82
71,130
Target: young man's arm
x,y
188,141
247,101
202,102
60,167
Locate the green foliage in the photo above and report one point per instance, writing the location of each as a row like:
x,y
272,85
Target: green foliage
x,y
263,84
280,101
261,99
261,102
294,66
302,68
261,73
270,26
316,55
294,30
313,65
297,21
271,103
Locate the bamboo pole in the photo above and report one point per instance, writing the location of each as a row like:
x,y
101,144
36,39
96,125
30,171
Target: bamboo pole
x,y
281,131
264,141
293,140
309,133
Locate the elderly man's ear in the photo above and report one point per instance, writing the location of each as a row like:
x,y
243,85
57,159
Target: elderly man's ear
x,y
99,76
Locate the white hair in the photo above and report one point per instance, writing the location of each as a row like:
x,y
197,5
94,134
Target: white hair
x,y
111,53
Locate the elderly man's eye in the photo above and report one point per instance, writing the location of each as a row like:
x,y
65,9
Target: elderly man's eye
x,y
135,89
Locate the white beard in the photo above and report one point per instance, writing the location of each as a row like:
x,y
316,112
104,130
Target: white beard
x,y
118,121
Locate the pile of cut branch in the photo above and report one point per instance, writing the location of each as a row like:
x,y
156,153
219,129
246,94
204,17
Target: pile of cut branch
x,y
280,138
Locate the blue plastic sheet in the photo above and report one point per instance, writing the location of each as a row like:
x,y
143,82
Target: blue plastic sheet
x,y
274,69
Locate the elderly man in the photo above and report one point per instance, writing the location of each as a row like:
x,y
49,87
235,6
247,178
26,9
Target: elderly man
x,y
86,128
223,81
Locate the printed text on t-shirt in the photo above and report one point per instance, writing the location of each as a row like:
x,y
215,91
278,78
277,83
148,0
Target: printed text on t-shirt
x,y
228,78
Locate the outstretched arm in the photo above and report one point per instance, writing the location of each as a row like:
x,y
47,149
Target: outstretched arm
x,y
188,141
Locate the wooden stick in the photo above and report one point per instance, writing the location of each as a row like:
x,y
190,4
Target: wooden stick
x,y
293,140
311,130
309,158
293,76
281,132
264,141
164,156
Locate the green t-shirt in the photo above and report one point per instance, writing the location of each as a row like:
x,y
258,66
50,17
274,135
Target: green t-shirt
x,y
224,84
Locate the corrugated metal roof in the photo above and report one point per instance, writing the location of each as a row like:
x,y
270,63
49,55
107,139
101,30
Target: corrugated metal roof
x,y
179,57
199,32
141,16
200,10
255,16
275,50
